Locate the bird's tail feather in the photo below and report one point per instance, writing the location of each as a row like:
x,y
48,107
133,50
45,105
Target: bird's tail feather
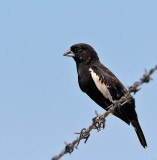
x,y
139,132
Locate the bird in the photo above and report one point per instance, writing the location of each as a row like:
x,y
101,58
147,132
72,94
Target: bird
x,y
102,86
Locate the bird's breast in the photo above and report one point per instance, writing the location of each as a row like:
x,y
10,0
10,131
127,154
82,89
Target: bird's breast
x,y
84,81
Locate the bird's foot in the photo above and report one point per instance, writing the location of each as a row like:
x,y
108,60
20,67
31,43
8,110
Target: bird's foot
x,y
99,121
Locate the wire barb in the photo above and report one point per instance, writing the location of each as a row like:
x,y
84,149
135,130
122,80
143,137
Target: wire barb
x,y
68,148
99,121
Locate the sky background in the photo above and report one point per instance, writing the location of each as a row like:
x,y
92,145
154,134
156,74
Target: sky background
x,y
41,105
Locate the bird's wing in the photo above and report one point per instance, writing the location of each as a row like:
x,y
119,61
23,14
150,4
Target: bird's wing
x,y
107,83
110,87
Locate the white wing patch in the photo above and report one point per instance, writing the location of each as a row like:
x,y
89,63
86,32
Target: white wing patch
x,y
102,87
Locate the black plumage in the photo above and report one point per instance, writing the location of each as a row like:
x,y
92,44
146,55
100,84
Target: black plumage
x,y
102,86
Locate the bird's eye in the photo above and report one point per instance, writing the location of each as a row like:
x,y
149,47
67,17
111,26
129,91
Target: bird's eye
x,y
78,49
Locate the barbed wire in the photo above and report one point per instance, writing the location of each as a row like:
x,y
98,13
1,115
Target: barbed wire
x,y
99,122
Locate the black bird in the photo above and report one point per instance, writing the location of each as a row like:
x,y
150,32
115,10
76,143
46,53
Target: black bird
x,y
102,86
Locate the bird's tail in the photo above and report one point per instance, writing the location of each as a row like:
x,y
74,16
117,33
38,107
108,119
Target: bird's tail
x,y
139,132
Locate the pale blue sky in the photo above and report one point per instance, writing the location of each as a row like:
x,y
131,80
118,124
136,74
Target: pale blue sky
x,y
41,104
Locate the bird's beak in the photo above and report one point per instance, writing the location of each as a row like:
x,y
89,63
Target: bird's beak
x,y
69,53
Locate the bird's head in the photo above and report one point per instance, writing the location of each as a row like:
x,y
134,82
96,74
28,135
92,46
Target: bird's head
x,y
82,53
